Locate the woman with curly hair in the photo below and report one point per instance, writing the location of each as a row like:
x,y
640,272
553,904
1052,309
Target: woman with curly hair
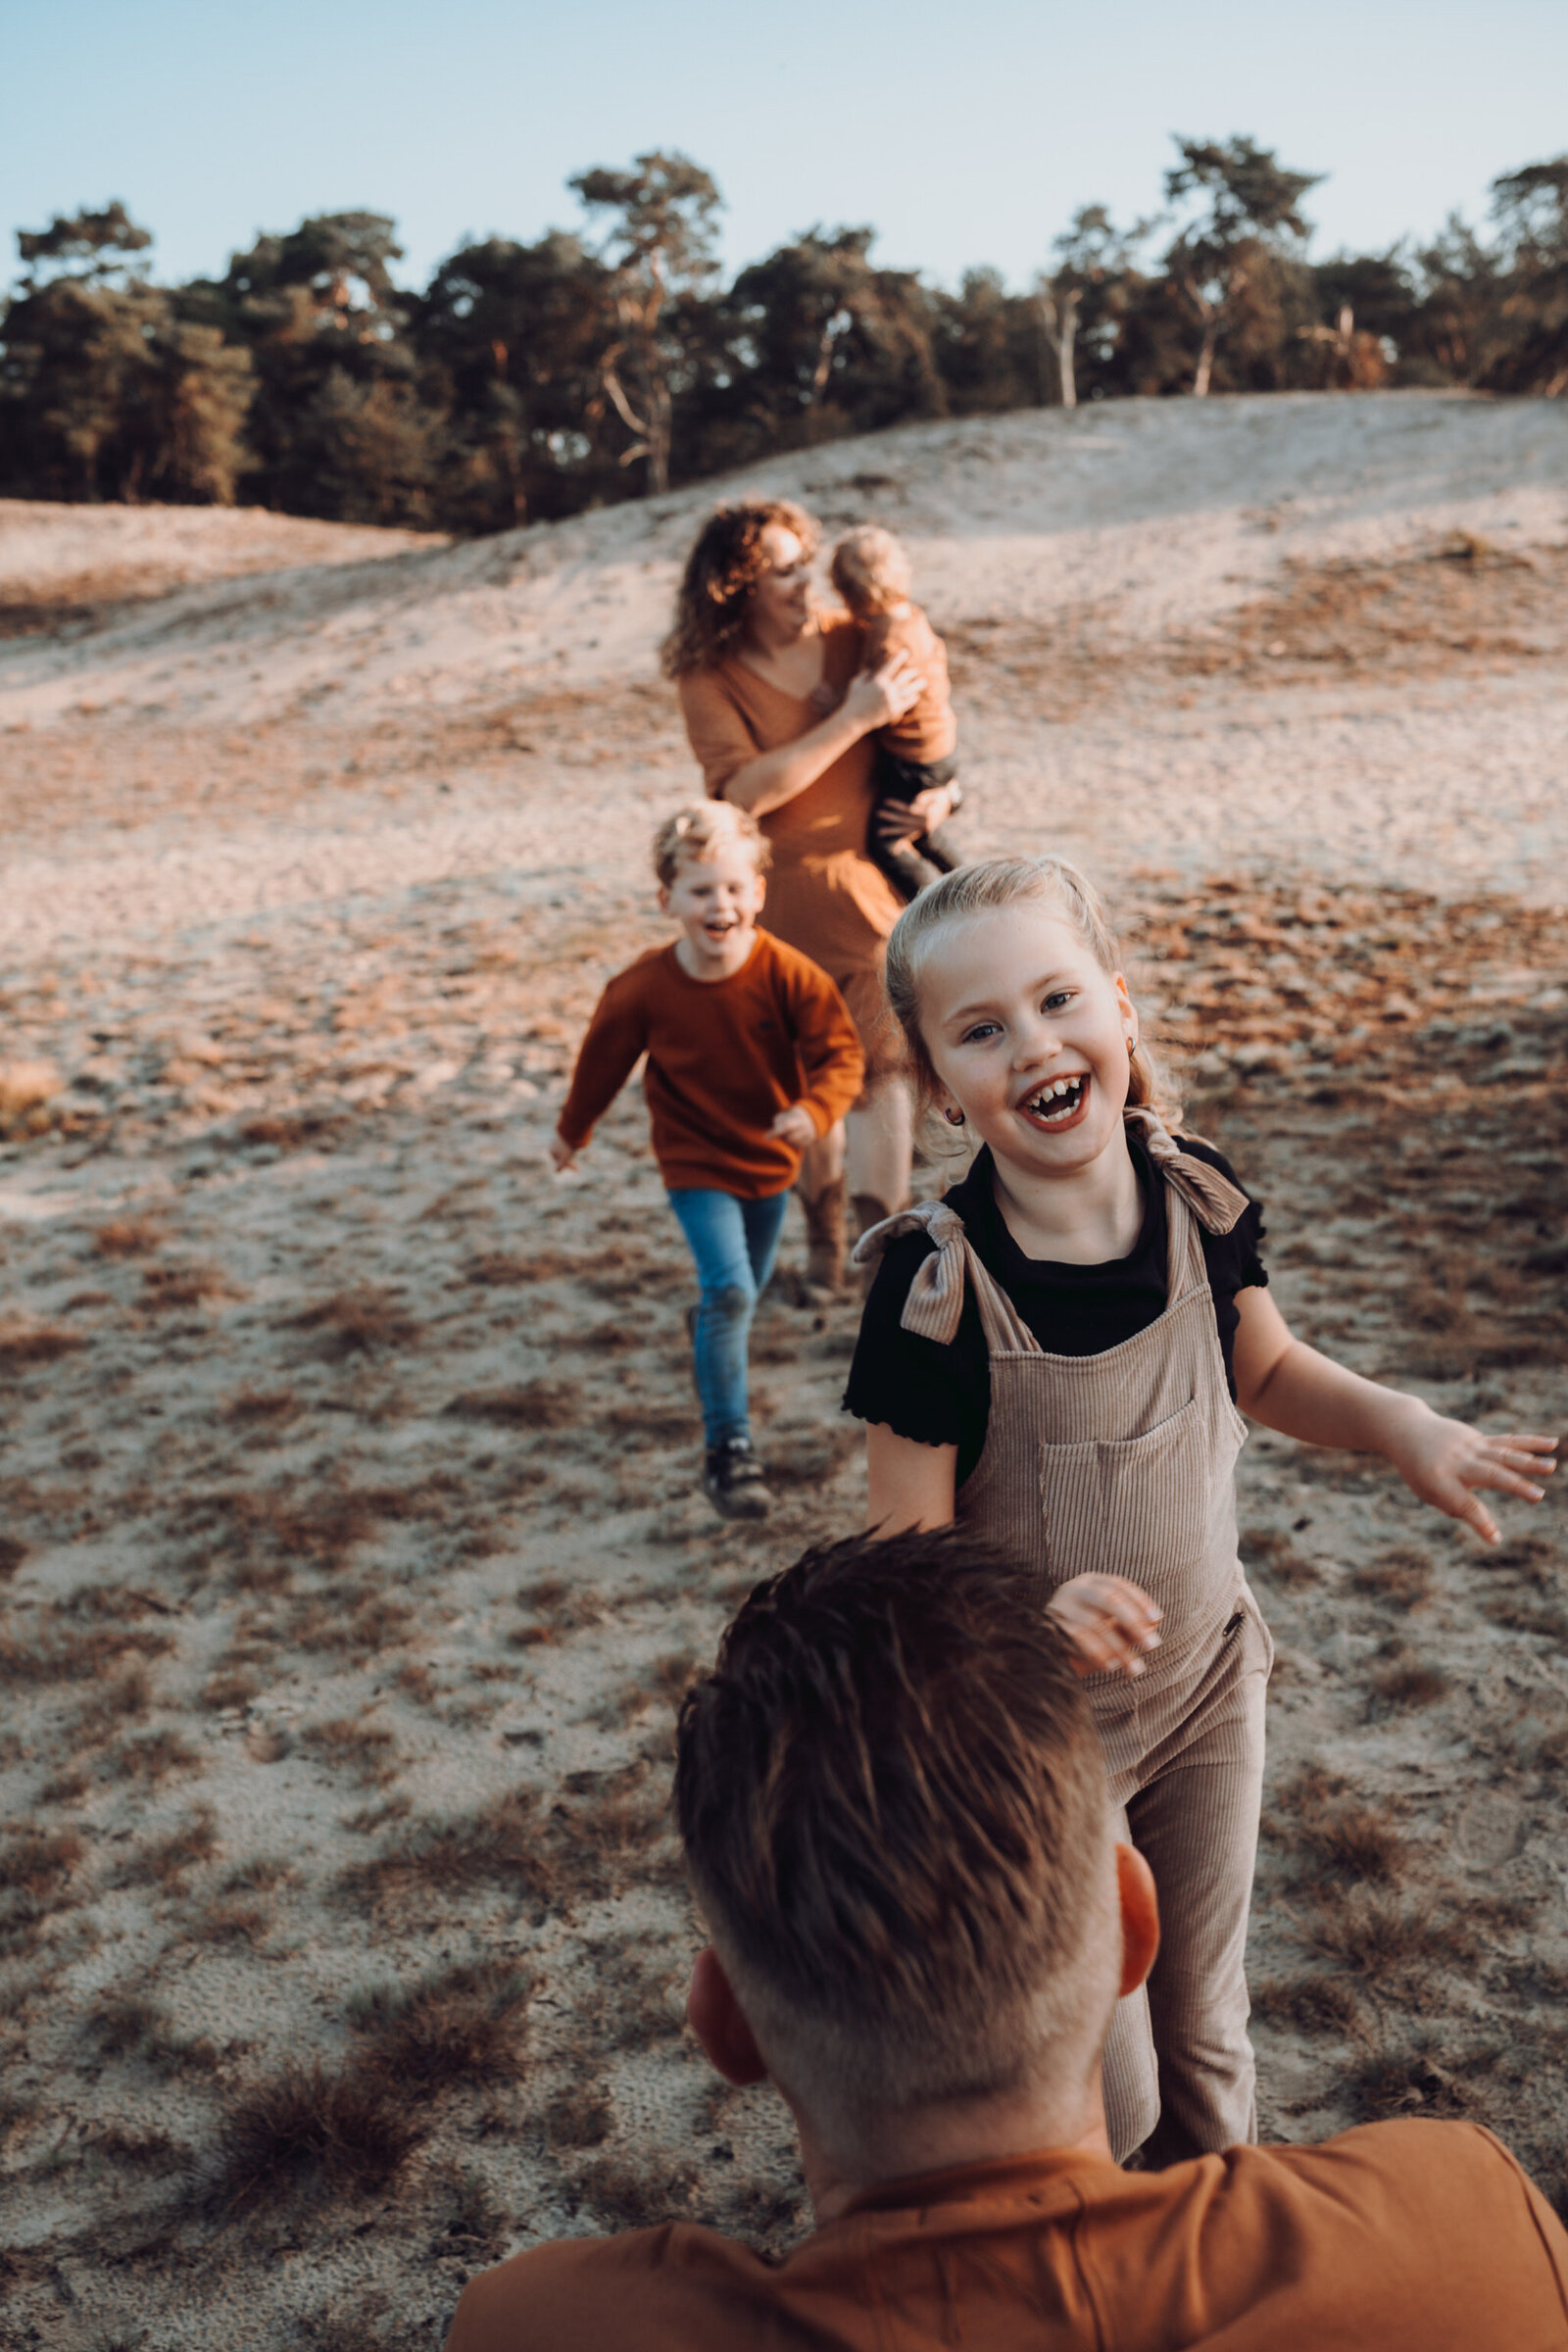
x,y
781,716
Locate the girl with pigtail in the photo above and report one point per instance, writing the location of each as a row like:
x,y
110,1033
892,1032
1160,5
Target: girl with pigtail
x,y
1054,1355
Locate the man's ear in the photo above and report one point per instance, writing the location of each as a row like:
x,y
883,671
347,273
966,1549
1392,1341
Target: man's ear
x,y
1140,1917
718,2021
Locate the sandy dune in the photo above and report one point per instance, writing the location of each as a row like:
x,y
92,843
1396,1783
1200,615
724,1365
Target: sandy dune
x,y
346,1457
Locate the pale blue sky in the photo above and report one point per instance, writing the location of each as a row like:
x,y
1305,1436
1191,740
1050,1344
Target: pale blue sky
x,y
965,131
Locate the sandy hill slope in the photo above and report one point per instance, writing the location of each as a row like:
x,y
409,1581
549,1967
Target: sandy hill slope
x,y
1268,627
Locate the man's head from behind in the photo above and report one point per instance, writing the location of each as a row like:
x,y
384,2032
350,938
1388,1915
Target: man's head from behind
x,y
894,1809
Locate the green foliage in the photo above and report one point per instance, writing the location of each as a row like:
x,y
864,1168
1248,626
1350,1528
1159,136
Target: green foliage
x,y
530,380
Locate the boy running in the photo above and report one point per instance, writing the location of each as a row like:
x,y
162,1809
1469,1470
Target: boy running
x,y
752,1056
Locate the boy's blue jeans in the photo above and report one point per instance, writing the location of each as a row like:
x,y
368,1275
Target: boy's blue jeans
x,y
734,1243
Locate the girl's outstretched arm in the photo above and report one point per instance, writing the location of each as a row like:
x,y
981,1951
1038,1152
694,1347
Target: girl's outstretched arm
x,y
911,1484
1289,1386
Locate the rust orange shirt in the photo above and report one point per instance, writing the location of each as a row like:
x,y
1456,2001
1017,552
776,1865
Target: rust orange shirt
x,y
927,730
724,1057
1397,2238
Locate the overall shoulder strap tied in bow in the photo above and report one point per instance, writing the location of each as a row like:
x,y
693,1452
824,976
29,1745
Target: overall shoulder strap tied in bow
x,y
933,1306
1213,1200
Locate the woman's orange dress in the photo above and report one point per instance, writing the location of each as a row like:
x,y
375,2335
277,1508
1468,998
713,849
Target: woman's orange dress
x,y
824,895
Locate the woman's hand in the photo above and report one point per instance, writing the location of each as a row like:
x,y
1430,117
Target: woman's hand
x,y
1444,1462
1110,1622
564,1155
795,1126
878,696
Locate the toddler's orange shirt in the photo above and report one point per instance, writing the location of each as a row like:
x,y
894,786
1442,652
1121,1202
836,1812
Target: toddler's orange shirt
x,y
928,730
724,1057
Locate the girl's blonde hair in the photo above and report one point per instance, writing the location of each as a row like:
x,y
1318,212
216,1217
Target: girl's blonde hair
x,y
702,828
981,889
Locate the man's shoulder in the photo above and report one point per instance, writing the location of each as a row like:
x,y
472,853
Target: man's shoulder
x,y
1441,2215
687,2286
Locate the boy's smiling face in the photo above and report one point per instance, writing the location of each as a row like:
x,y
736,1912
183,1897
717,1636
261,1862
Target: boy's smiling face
x,y
716,901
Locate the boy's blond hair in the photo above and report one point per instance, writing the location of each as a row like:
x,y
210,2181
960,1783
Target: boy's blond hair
x,y
871,571
701,829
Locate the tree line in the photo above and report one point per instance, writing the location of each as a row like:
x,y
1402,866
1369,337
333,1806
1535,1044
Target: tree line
x,y
528,381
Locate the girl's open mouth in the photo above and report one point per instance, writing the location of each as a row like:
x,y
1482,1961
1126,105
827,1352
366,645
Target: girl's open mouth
x,y
1059,1102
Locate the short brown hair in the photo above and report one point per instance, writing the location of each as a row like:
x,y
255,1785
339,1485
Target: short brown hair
x,y
871,571
723,568
699,830
894,1809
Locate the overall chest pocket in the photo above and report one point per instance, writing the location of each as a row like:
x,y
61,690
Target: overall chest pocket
x,y
1130,1507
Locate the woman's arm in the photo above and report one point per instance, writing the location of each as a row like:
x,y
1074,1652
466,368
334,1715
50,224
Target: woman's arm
x,y
1289,1386
876,698
911,1484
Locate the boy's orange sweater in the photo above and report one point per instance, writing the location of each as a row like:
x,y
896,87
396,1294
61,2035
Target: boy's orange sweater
x,y
724,1057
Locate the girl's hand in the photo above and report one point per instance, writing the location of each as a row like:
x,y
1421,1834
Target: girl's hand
x,y
1111,1622
562,1154
1445,1461
795,1126
877,697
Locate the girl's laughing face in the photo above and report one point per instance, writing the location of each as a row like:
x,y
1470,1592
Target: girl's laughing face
x,y
1028,1037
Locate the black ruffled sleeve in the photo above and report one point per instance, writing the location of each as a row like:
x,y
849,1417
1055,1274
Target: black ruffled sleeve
x,y
1233,1259
935,1394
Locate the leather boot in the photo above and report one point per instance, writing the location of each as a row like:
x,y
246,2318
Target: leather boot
x,y
824,1237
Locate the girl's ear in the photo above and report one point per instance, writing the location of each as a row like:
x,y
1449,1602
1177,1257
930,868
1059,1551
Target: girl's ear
x,y
1125,1006
663,898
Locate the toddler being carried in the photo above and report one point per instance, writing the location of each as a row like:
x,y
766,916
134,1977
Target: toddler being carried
x,y
916,755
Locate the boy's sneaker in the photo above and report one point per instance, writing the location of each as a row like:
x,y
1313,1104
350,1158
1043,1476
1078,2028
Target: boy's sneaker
x,y
733,1482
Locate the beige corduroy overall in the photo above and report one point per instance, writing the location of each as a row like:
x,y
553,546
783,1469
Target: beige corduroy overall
x,y
1123,1464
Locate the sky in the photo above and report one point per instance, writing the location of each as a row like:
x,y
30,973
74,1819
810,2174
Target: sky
x,y
966,131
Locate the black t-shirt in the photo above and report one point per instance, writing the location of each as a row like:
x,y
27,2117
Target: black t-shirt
x,y
940,1395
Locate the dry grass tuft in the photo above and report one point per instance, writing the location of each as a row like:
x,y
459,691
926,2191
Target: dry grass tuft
x,y
166,1288
359,1322
1404,1683
262,1408
127,1236
1274,1553
636,2197
1313,2004
232,1918
578,2117
465,2025
501,1843
1401,1575
1340,1833
154,1757
1392,2082
365,1748
26,1344
39,1862
536,1405
311,2132
123,1698
163,1861
1376,1935
70,1656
